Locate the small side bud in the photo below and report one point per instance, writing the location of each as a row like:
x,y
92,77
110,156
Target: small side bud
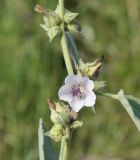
x,y
56,132
99,85
51,21
74,27
50,17
76,124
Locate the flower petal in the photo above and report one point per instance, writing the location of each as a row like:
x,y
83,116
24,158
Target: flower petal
x,y
90,85
87,84
64,93
76,105
90,99
72,79
84,81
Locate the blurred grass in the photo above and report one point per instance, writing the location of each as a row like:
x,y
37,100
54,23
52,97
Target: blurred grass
x,y
32,69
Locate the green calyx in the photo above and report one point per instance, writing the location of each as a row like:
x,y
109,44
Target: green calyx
x,y
68,16
53,23
90,69
61,113
56,132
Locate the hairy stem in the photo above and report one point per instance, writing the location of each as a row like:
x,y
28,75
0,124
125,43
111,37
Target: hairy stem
x,y
61,9
66,54
114,96
64,149
64,40
64,141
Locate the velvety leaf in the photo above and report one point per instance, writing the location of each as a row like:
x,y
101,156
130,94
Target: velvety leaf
x,y
73,49
136,103
46,151
132,106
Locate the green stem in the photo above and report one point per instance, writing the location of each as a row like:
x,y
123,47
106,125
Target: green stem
x,y
61,9
64,141
64,40
64,149
114,96
66,54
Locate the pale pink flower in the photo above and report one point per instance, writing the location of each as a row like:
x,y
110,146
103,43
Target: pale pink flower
x,y
77,91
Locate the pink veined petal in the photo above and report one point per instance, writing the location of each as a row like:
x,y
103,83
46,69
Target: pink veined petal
x,y
64,93
76,105
72,79
90,99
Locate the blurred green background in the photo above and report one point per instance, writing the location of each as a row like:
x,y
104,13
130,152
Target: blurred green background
x,y
32,68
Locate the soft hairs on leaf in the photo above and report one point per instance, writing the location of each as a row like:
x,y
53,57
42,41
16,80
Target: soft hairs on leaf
x,y
132,106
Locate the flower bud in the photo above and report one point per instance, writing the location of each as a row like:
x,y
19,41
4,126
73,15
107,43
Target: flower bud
x,y
51,21
55,132
74,27
99,85
91,69
76,124
50,17
61,113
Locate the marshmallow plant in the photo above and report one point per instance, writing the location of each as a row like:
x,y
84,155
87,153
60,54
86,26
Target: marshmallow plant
x,y
79,88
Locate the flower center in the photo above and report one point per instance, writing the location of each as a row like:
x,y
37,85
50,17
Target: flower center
x,y
77,91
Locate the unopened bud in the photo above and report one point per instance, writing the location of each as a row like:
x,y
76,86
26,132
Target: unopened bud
x,y
53,19
76,124
74,27
91,69
99,85
61,113
50,17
